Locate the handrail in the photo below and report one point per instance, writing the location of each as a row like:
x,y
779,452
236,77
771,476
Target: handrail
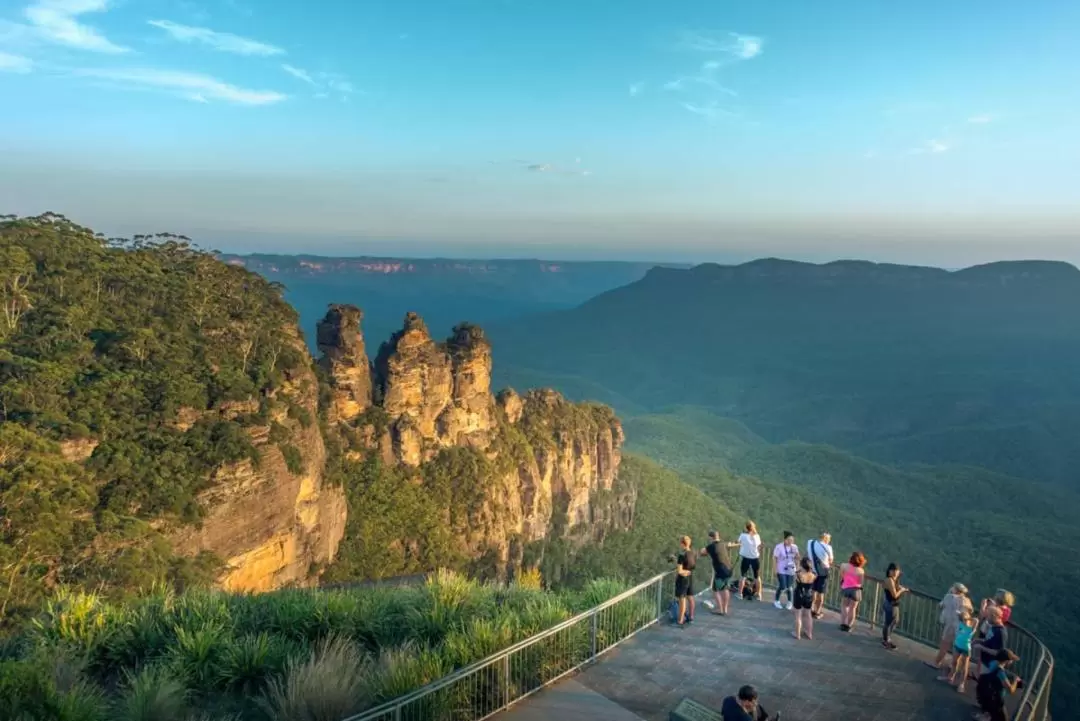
x,y
490,685
647,595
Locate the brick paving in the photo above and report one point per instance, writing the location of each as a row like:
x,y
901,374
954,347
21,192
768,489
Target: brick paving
x,y
835,677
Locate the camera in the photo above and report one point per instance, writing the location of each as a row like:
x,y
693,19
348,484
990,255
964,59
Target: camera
x,y
1019,682
672,558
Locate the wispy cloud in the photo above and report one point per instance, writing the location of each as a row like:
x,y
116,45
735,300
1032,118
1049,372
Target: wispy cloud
x,y
981,119
298,73
224,42
557,169
57,22
191,86
636,89
324,84
932,147
702,80
15,63
735,45
712,111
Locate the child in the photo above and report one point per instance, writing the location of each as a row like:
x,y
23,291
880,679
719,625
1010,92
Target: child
x,y
961,651
995,684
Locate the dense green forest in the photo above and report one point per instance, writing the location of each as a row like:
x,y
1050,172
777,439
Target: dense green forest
x,y
102,343
898,364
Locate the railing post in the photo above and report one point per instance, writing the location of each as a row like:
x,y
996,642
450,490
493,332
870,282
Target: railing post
x,y
506,681
659,598
876,605
592,635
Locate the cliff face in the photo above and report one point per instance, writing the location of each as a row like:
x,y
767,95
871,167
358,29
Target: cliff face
x,y
271,523
553,464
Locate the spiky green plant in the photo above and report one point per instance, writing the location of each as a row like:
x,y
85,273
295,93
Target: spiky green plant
x,y
403,669
78,621
197,655
329,685
152,694
250,662
82,702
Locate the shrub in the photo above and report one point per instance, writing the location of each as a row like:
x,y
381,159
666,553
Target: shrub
x,y
153,694
294,461
250,661
327,686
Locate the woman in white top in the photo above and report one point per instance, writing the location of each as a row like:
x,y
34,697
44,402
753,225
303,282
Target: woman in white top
x,y
953,605
750,548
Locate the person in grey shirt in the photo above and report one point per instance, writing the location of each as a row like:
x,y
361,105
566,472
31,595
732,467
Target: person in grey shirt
x,y
820,553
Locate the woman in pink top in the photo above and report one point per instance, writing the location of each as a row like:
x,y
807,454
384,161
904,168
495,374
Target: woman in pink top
x,y
852,574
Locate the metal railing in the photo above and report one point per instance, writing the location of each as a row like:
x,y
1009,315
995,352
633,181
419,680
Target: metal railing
x,y
485,688
920,621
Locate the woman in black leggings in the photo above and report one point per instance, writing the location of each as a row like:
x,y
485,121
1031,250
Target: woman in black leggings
x,y
891,604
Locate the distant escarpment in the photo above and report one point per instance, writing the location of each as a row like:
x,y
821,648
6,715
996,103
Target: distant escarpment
x,y
447,473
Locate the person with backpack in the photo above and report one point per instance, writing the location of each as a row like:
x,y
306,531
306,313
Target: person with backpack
x,y
750,548
684,582
820,553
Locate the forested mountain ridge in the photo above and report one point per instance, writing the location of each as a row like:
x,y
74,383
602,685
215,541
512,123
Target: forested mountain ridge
x,y
901,364
161,421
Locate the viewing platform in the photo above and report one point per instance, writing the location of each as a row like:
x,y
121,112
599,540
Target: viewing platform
x,y
836,676
624,661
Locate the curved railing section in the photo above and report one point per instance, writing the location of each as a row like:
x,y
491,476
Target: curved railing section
x,y
919,621
483,689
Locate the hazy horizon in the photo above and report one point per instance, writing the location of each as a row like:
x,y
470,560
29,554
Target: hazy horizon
x,y
561,130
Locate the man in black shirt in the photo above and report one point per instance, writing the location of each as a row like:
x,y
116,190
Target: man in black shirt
x,y
744,706
718,553
684,581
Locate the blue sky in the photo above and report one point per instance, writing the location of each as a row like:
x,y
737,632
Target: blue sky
x,y
920,131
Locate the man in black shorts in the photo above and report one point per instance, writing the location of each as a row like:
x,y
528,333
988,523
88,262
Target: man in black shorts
x,y
718,553
684,581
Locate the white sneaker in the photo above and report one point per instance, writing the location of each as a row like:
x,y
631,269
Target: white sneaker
x,y
778,604
710,604
788,606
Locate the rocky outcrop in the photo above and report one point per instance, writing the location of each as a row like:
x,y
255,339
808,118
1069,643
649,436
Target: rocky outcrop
x,y
269,524
553,464
345,359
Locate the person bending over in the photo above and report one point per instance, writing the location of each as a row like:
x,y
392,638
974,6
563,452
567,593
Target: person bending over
x,y
684,581
744,706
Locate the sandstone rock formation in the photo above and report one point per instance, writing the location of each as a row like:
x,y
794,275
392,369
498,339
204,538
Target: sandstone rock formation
x,y
555,462
268,524
345,359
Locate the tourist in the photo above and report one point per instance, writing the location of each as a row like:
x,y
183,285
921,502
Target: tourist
x,y
684,582
995,683
718,553
1002,599
852,574
890,604
743,707
953,605
750,549
994,638
820,553
961,650
804,599
786,554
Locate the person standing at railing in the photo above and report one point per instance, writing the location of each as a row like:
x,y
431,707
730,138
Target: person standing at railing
x,y
954,605
890,604
852,574
961,652
719,553
684,581
786,554
750,549
804,599
995,638
820,553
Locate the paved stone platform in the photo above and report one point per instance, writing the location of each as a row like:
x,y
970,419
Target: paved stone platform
x,y
835,677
